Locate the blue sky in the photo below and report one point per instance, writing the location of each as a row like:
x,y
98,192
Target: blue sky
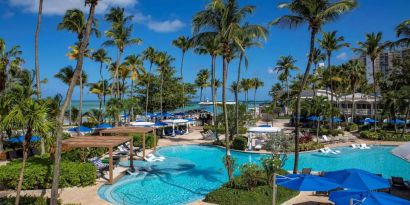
x,y
158,22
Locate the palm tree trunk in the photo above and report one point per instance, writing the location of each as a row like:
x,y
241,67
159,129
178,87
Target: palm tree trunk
x,y
238,78
80,107
26,145
182,80
254,103
162,87
331,91
117,66
405,121
214,123
353,103
225,111
60,118
287,97
298,102
147,94
103,90
40,11
375,102
200,94
100,99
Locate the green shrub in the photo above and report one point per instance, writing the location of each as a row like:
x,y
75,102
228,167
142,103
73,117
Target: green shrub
x,y
312,145
39,173
26,200
385,136
251,175
325,131
352,127
81,155
149,140
239,143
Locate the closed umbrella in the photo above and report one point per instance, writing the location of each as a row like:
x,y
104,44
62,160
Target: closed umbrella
x,y
358,179
365,198
306,182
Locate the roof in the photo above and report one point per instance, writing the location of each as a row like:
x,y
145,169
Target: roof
x,y
126,130
100,141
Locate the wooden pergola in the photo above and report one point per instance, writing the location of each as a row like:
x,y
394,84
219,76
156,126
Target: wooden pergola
x,y
130,131
106,142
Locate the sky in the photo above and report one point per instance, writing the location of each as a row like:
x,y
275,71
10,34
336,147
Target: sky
x,y
158,22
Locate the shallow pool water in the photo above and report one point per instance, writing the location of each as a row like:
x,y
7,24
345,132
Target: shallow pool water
x,y
191,171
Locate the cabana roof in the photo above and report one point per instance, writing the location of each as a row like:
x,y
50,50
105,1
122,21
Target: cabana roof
x,y
90,141
126,130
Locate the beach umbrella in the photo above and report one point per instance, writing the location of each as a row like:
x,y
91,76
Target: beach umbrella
x,y
165,114
397,122
148,114
179,114
20,139
189,119
160,124
306,182
103,126
315,118
335,119
365,198
82,129
358,179
264,126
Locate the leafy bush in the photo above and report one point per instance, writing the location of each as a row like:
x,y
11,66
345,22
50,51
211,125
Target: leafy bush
x,y
251,175
149,140
272,165
385,136
26,200
325,131
39,171
81,155
352,127
310,146
305,138
239,143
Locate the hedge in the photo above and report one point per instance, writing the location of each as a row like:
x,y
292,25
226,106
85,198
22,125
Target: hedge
x,y
39,174
26,200
149,140
385,136
239,143
352,127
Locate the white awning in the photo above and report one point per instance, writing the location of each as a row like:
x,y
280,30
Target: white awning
x,y
141,123
176,121
264,129
403,151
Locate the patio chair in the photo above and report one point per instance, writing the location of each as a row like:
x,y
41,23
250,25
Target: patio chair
x,y
258,144
398,182
364,146
153,158
326,139
207,135
306,170
101,167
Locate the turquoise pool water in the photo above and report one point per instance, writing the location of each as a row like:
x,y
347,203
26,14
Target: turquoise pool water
x,y
191,171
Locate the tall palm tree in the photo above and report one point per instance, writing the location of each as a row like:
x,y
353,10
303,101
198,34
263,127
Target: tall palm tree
x,y
82,81
316,58
355,74
223,18
36,64
201,81
314,13
209,44
330,43
256,84
148,54
163,62
246,85
101,56
403,33
60,119
372,47
184,43
135,65
6,57
65,75
31,117
74,21
98,89
120,36
285,65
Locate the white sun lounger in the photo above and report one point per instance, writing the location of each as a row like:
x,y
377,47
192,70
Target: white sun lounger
x,y
355,146
153,158
327,150
364,146
258,145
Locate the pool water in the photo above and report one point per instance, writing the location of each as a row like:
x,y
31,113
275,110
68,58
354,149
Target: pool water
x,y
191,171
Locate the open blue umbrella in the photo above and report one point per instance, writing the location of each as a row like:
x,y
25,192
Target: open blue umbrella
x,y
20,139
306,182
82,129
358,179
179,114
165,114
189,119
103,126
365,198
368,120
315,118
397,122
335,119
160,124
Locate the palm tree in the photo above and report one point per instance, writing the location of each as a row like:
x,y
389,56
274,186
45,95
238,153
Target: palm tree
x,y
246,85
40,12
355,74
163,62
284,66
201,81
183,43
74,21
209,44
372,47
135,65
6,57
314,13
98,89
330,43
102,57
402,32
148,54
256,84
32,117
120,36
82,48
65,75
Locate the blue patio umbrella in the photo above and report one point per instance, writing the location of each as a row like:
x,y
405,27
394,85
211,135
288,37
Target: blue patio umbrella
x,y
189,119
148,114
103,126
368,120
165,114
365,198
306,182
179,114
264,126
397,122
358,179
335,119
315,118
82,129
160,124
20,139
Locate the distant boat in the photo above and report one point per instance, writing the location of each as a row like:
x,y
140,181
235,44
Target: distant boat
x,y
217,103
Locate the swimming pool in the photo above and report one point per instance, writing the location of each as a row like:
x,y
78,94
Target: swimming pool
x,y
191,171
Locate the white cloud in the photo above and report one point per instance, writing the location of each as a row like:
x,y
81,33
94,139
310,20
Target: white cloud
x,y
166,26
342,56
58,7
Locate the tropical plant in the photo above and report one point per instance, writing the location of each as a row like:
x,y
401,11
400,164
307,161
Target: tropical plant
x,y
256,84
372,47
163,62
314,13
403,33
246,85
120,36
98,89
285,65
101,56
201,81
356,73
183,43
148,54
6,59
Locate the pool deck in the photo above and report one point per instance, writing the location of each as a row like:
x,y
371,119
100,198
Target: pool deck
x,y
88,195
